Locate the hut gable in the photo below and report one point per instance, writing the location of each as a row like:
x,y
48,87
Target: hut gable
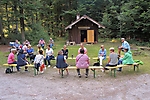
x,y
81,18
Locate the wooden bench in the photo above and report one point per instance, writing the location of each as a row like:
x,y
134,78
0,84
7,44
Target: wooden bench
x,y
70,58
135,65
14,65
10,66
95,58
93,68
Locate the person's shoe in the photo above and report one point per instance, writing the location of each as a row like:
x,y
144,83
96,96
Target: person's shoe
x,y
79,76
25,70
42,72
49,65
86,76
119,70
102,70
18,70
106,69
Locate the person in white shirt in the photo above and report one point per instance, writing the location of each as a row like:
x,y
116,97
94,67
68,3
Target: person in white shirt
x,y
24,48
49,55
38,61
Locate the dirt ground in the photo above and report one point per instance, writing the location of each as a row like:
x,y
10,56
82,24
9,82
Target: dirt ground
x,y
50,86
25,86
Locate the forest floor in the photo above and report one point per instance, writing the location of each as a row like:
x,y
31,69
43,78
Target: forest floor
x,y
50,86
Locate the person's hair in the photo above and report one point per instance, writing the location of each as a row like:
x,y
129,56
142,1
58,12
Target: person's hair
x,y
13,49
20,51
112,49
60,52
38,45
26,44
122,38
126,49
41,52
65,46
48,45
102,46
82,51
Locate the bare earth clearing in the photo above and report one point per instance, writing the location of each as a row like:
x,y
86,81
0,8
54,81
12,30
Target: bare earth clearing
x,y
24,86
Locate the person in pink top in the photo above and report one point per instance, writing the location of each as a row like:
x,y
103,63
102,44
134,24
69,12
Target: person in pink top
x,y
82,62
42,43
82,47
11,58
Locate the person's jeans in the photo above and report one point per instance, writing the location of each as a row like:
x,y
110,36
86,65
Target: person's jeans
x,y
42,45
87,71
32,57
101,59
51,45
48,58
119,63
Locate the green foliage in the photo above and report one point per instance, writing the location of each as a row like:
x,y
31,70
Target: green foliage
x,y
125,18
37,33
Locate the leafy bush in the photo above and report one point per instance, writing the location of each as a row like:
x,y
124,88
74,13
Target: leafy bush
x,y
37,32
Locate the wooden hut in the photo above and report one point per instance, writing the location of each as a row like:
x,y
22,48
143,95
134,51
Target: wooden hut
x,y
84,29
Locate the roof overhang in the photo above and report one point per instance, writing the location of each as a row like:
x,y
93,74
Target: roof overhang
x,y
84,17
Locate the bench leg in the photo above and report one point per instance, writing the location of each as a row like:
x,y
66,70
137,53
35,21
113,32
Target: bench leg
x,y
93,72
34,71
62,70
136,66
115,72
11,68
110,72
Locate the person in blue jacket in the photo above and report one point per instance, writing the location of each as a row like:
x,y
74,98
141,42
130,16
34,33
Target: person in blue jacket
x,y
30,53
21,60
102,54
124,45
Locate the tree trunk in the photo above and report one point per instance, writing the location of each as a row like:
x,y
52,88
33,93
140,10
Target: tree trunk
x,y
15,18
8,24
22,24
3,41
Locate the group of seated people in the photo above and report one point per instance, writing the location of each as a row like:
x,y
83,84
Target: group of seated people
x,y
25,51
82,59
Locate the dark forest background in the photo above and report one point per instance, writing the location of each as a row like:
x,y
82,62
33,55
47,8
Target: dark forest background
x,y
33,19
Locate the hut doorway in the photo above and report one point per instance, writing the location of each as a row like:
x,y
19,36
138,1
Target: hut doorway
x,y
90,36
87,36
83,35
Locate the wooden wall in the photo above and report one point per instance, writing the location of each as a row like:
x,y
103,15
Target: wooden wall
x,y
74,33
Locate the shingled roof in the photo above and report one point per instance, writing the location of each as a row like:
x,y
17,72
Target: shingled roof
x,y
84,17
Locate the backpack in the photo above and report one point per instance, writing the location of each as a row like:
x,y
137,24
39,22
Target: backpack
x,y
8,70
